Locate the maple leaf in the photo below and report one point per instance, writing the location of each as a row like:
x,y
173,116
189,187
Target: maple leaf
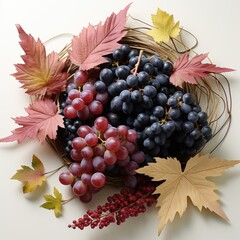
x,y
191,70
192,183
42,120
165,27
31,177
53,202
40,74
93,43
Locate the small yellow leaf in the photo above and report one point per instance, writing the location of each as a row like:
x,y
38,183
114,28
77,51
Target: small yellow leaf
x,y
54,202
31,177
165,27
57,194
192,183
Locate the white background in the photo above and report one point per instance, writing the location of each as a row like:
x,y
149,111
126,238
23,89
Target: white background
x,y
216,25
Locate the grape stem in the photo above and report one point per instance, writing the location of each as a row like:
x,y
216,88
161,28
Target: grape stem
x,y
99,137
138,62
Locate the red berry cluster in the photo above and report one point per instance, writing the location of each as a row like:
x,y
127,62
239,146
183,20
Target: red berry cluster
x,y
118,208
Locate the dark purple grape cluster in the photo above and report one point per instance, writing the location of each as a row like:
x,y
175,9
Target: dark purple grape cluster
x,y
169,122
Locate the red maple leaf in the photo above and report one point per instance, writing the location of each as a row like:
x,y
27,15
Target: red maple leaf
x,y
93,43
191,70
42,120
40,74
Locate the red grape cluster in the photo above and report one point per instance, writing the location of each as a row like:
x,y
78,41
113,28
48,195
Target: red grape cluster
x,y
96,151
85,103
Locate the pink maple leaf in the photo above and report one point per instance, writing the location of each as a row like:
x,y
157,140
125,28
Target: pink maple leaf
x,y
191,70
42,120
93,43
40,74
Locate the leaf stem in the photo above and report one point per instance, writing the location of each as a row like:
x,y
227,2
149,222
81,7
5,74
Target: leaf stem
x,y
68,200
55,170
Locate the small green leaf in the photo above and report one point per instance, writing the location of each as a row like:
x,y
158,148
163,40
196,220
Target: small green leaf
x,y
58,210
49,198
54,202
48,205
31,177
57,194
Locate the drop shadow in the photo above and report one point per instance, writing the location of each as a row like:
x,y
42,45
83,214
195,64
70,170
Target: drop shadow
x,y
38,193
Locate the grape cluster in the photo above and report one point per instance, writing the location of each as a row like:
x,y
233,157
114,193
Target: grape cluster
x,y
128,104
168,121
98,150
81,99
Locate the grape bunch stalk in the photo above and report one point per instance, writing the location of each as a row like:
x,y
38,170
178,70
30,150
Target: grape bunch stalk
x,y
123,114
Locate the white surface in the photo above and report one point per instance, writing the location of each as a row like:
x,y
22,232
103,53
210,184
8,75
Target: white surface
x,y
216,25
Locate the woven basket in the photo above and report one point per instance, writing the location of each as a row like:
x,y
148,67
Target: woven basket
x,y
212,94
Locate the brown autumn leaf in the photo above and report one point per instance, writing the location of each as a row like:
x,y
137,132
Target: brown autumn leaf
x,y
192,183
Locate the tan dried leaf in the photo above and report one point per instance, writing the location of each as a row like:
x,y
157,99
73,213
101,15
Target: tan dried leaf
x,y
192,183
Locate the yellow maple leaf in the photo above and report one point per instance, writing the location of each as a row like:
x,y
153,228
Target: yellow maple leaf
x,y
31,178
165,27
192,183
54,202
